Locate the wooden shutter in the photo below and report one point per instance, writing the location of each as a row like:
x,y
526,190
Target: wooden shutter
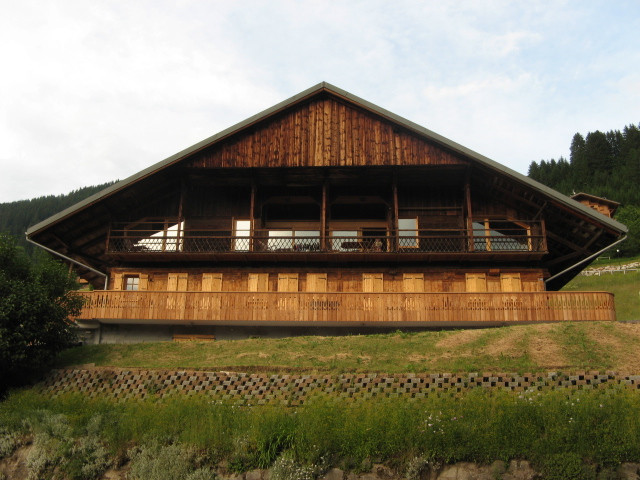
x,y
372,282
211,282
258,282
316,282
413,282
144,282
476,282
117,281
510,282
287,282
177,282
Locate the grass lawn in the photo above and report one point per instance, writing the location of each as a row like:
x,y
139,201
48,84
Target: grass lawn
x,y
521,348
625,286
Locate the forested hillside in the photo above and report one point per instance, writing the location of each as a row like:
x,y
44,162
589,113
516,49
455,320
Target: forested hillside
x,y
602,164
16,217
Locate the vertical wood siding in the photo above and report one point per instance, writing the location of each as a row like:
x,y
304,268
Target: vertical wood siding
x,y
324,132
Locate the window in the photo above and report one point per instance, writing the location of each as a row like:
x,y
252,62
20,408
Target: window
x,y
510,282
258,282
242,234
287,282
476,282
316,282
413,282
169,239
408,232
131,282
501,236
372,282
177,282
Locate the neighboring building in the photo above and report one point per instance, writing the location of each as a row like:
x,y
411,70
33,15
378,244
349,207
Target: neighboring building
x,y
327,211
603,205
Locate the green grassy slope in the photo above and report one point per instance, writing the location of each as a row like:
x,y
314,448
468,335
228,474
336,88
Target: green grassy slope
x,y
521,348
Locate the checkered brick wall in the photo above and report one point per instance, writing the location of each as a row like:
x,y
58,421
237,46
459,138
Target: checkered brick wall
x,y
294,389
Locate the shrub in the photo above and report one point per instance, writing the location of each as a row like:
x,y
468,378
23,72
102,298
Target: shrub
x,y
286,468
35,304
157,461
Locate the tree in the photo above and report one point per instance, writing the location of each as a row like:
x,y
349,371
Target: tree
x,y
630,216
36,302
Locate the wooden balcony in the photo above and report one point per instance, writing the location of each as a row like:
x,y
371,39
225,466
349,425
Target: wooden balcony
x,y
173,244
373,309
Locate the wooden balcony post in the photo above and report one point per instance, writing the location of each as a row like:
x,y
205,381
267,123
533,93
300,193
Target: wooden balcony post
x,y
395,212
323,218
252,207
467,197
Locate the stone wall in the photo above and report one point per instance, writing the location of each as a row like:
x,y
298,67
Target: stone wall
x,y
259,388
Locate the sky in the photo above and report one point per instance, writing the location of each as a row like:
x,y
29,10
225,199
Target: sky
x,y
96,90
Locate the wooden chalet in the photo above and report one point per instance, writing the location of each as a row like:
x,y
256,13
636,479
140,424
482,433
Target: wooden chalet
x,y
327,211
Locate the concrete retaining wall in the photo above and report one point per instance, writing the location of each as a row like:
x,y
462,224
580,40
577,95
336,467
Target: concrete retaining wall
x,y
294,389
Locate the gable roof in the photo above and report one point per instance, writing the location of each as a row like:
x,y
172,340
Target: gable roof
x,y
318,89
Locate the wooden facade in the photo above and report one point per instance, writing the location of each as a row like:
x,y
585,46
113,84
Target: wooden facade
x,y
326,209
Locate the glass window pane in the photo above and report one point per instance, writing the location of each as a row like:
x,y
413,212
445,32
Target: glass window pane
x,y
242,230
408,232
342,240
280,240
307,239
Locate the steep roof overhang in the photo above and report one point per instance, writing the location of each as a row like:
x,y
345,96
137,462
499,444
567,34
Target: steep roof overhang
x,y
98,206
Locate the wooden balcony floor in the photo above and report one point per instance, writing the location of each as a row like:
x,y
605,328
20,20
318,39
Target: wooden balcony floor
x,y
337,309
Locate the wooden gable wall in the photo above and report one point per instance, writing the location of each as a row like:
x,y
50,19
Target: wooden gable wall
x,y
320,133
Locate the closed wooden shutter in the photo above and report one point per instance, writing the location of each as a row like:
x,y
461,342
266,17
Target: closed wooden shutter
x,y
211,282
258,282
287,282
413,282
144,282
476,282
117,281
177,282
316,282
510,282
372,282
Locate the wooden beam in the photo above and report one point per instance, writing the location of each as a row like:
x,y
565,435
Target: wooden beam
x,y
467,197
395,209
323,217
566,242
252,213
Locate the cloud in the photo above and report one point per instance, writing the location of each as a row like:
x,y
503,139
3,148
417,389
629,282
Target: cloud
x,y
100,90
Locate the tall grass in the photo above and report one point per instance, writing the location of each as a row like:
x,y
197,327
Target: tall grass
x,y
601,426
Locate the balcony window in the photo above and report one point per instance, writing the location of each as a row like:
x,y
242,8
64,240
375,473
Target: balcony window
x,y
408,232
298,240
169,239
242,233
501,236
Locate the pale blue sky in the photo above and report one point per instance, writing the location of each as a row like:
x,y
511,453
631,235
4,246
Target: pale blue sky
x,y
97,90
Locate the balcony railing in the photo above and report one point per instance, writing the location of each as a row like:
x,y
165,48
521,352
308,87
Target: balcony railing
x,y
345,308
147,240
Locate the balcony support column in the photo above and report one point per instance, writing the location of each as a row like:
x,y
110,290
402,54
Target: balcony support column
x,y
323,218
252,207
467,198
396,215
